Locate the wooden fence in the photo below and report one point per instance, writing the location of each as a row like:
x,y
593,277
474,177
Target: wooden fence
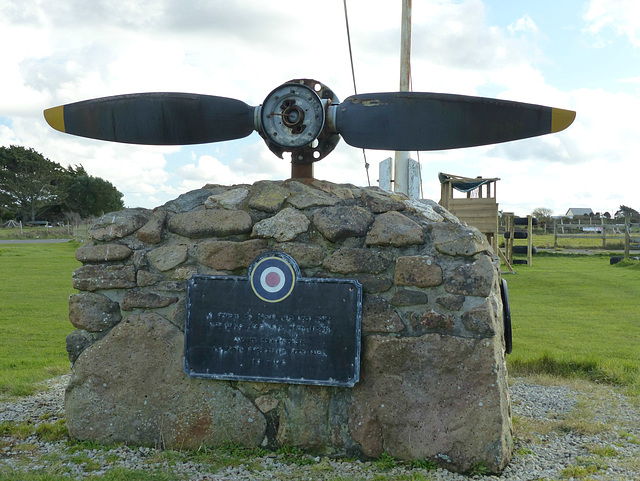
x,y
627,232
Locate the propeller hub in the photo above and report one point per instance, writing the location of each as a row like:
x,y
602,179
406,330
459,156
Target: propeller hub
x,y
292,116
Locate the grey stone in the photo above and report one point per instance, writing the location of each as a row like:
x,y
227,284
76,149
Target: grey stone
x,y
185,272
102,253
379,316
139,259
306,255
433,319
303,418
177,285
374,284
268,196
129,387
438,209
399,405
192,200
151,232
285,226
266,403
396,229
145,278
451,302
423,209
229,256
93,312
457,240
96,277
378,201
76,342
482,320
178,316
408,297
419,271
116,225
136,298
353,260
210,223
227,200
304,196
342,191
472,279
340,222
169,256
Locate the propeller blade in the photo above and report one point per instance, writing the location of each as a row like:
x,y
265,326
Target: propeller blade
x,y
160,118
430,121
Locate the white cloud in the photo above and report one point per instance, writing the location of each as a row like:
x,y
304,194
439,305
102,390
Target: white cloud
x,y
207,169
621,16
64,51
523,24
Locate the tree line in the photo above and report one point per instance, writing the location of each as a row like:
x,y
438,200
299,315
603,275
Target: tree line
x,y
33,187
622,213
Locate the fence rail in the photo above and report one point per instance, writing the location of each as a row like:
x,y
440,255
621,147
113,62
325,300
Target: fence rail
x,y
629,232
70,231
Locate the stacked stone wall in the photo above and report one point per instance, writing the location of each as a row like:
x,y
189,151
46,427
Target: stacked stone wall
x,y
433,377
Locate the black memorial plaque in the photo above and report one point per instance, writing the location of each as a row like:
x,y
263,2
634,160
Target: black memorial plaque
x,y
274,326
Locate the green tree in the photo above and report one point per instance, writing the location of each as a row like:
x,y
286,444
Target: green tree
x,y
91,196
542,213
30,184
625,211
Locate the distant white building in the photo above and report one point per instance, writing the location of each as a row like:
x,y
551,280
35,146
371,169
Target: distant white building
x,y
578,212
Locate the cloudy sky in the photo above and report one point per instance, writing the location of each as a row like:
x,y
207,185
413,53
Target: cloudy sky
x,y
582,55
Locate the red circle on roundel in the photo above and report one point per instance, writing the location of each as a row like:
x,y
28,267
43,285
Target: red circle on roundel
x,y
272,279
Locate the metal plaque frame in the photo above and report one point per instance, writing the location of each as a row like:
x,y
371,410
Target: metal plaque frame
x,y
274,326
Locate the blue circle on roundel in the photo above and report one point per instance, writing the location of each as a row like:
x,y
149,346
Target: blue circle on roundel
x,y
272,279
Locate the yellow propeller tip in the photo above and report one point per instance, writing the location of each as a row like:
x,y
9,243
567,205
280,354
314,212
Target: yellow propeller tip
x,y
55,117
561,119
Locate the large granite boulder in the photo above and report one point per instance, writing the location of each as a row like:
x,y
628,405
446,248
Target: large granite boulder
x,y
130,387
433,376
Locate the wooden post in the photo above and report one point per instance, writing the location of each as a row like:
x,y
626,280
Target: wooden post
x,y
555,234
604,232
627,237
529,240
510,225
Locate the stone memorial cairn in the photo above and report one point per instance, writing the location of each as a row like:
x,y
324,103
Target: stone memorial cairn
x,y
432,375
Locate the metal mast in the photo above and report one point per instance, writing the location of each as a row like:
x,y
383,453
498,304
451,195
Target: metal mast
x,y
401,170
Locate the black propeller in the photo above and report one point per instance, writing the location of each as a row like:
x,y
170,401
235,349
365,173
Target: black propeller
x,y
155,118
305,117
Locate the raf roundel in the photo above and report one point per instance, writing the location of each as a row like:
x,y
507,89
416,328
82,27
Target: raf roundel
x,y
272,279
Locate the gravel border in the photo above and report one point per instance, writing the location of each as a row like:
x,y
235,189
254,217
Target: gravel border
x,y
576,430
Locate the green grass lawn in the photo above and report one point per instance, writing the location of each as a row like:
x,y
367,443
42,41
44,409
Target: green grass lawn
x,y
35,284
577,315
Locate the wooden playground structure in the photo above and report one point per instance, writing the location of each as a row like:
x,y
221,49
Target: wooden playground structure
x,y
478,207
